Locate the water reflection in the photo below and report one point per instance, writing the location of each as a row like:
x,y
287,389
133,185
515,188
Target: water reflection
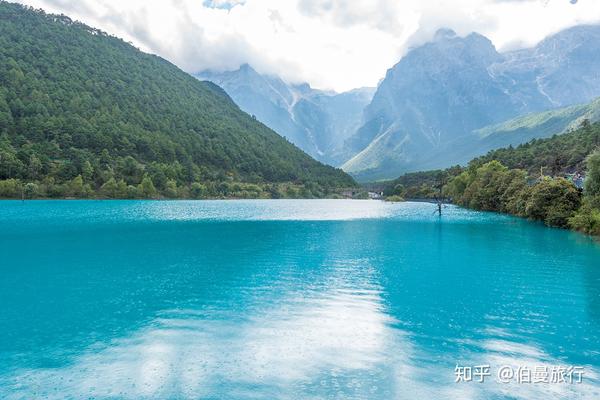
x,y
345,307
339,346
337,341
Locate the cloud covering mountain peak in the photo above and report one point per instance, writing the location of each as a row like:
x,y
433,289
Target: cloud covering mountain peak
x,y
328,43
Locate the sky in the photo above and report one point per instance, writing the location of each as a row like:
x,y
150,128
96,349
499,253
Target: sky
x,y
331,44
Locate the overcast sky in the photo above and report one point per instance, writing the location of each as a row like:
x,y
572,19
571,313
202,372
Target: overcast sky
x,y
331,44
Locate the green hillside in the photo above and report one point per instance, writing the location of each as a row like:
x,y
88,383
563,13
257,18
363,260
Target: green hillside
x,y
536,126
540,180
84,113
513,132
544,124
556,155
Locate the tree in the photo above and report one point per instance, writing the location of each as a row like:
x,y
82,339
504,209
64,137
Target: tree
x,y
146,188
132,192
514,192
592,181
553,201
35,166
87,171
6,120
171,189
458,185
10,188
399,190
30,190
109,189
10,165
76,187
130,169
121,189
482,187
198,190
587,219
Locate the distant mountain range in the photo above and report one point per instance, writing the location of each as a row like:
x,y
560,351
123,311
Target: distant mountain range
x,y
316,121
513,132
444,92
444,103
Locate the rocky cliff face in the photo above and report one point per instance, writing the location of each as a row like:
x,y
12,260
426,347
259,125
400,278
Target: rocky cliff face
x,y
451,87
561,70
318,122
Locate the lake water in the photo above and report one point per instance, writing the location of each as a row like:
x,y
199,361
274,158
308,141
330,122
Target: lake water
x,y
291,299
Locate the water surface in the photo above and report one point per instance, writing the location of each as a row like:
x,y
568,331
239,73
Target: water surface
x,y
290,299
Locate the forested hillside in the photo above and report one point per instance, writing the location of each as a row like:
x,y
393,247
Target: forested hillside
x,y
553,156
540,180
558,155
83,113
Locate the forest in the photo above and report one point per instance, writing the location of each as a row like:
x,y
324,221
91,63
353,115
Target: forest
x,y
539,180
85,114
557,155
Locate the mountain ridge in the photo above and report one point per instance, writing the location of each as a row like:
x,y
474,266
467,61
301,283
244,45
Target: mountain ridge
x,y
317,121
452,86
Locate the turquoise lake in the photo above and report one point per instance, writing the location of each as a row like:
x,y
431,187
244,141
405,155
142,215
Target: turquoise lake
x,y
289,299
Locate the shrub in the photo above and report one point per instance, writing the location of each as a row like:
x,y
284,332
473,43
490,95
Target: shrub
x,y
553,201
586,220
592,181
10,188
31,190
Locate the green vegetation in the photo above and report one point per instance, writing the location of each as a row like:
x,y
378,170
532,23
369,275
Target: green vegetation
x,y
587,219
84,114
537,125
420,185
556,155
533,180
394,198
494,187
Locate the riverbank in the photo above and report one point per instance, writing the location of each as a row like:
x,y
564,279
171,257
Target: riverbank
x,y
78,188
553,200
554,180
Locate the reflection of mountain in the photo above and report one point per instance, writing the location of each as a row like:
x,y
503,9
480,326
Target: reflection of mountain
x,y
316,121
453,86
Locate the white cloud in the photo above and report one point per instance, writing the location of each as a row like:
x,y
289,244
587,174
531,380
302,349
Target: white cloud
x,y
338,44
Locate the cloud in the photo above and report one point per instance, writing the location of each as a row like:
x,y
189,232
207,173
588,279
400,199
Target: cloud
x,y
333,44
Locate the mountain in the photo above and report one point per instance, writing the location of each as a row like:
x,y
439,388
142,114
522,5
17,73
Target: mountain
x,y
513,132
560,71
76,102
445,91
316,121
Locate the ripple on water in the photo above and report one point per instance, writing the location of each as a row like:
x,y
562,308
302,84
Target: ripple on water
x,y
288,299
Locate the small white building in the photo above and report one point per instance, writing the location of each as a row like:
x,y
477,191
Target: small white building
x,y
375,195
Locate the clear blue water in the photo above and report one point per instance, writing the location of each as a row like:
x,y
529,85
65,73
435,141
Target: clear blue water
x,y
298,299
